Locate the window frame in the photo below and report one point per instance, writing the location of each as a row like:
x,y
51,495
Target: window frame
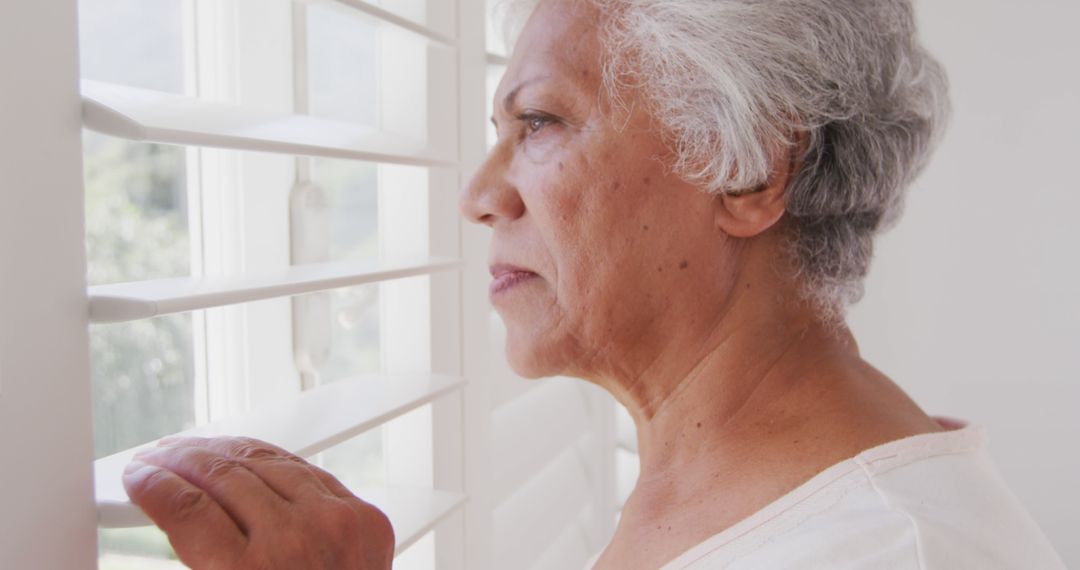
x,y
41,158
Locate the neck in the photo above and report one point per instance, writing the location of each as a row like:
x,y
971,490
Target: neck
x,y
717,393
737,408
744,389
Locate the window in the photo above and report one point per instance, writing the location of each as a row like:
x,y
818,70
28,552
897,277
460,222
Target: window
x,y
157,211
271,231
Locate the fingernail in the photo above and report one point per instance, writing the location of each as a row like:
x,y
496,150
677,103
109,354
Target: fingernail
x,y
170,440
137,472
134,466
143,452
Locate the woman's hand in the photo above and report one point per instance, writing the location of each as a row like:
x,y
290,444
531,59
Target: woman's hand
x,y
237,504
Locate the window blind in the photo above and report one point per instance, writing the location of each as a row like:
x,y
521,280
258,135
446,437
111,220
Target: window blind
x,y
145,115
147,299
320,417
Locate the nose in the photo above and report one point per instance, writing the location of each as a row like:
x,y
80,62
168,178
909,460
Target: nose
x,y
490,197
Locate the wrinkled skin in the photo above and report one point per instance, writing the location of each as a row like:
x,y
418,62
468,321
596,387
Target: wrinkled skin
x,y
679,303
578,192
241,504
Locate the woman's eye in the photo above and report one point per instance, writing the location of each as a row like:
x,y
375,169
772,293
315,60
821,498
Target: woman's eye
x,y
534,123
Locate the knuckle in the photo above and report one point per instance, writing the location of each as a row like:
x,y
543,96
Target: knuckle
x,y
358,518
187,504
218,468
250,449
378,519
376,534
342,518
382,527
253,450
296,459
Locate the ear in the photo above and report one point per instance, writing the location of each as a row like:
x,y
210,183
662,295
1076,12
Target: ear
x,y
751,212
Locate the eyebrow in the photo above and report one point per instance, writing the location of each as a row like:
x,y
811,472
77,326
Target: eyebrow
x,y
508,101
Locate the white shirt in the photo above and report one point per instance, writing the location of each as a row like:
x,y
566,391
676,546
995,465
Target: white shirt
x,y
930,501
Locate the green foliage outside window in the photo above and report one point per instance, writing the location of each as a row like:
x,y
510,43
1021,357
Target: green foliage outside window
x,y
142,372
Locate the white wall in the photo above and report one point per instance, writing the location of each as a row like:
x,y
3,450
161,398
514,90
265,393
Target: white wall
x,y
973,303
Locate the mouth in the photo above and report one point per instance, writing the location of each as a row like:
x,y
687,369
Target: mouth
x,y
506,277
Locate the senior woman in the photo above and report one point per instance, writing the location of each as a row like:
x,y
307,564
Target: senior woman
x,y
684,196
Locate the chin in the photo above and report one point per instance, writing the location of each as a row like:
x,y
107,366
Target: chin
x,y
528,360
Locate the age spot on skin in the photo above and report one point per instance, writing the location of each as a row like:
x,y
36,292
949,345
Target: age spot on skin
x,y
684,264
646,181
646,228
561,165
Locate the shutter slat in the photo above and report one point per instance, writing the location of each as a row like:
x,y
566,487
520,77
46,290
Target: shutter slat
x,y
393,19
627,469
528,433
304,424
625,430
145,299
507,386
534,516
572,548
152,116
414,512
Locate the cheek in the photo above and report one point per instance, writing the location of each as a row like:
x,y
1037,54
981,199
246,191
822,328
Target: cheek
x,y
590,219
600,262
592,223
544,146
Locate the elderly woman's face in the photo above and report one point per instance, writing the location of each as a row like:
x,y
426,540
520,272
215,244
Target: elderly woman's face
x,y
598,250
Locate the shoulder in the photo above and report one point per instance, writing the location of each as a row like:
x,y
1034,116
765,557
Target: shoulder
x,y
958,510
928,501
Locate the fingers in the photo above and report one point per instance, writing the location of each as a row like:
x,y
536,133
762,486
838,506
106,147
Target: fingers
x,y
336,487
243,503
243,494
288,475
201,532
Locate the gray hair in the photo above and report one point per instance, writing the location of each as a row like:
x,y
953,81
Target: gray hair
x,y
843,81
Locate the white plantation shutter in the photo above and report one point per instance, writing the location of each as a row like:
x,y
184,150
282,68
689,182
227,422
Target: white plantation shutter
x,y
145,115
627,462
509,473
229,114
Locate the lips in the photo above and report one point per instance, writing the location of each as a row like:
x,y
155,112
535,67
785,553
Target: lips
x,y
506,277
